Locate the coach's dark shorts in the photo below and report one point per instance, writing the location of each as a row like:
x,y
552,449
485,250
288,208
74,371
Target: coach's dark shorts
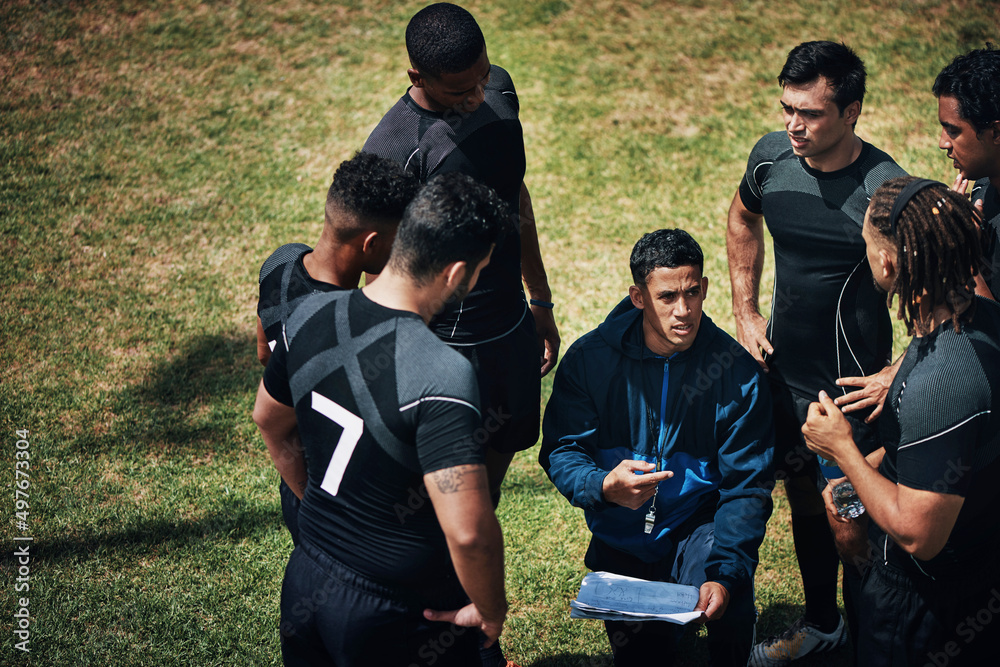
x,y
791,456
332,615
510,387
910,620
730,638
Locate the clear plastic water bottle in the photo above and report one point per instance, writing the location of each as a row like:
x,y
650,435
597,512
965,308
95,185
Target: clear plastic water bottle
x,y
844,496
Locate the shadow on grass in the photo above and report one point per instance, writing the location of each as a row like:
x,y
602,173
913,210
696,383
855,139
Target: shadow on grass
x,y
202,394
522,485
691,652
235,520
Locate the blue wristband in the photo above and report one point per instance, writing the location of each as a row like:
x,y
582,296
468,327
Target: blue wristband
x,y
543,304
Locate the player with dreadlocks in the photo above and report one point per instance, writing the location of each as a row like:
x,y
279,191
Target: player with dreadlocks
x,y
952,232
932,492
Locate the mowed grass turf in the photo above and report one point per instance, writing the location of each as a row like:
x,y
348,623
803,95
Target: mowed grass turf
x,y
152,154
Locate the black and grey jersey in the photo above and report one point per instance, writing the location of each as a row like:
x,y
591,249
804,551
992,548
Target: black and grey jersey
x,y
827,319
941,431
488,145
990,267
284,282
380,402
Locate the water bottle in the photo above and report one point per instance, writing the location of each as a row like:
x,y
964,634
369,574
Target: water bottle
x,y
844,496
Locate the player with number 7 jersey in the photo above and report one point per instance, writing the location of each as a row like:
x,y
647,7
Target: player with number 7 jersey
x,y
378,404
372,420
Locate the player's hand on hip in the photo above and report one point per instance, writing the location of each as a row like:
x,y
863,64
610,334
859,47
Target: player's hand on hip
x,y
872,390
751,332
624,486
469,617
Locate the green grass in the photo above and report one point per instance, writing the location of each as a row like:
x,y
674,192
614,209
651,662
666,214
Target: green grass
x,y
153,154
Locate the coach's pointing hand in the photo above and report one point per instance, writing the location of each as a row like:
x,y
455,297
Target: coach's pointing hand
x,y
622,486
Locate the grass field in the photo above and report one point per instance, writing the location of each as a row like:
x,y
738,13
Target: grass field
x,y
152,154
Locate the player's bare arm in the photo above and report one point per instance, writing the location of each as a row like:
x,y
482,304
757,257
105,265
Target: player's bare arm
x,y
537,284
745,249
461,500
918,521
263,349
279,428
624,486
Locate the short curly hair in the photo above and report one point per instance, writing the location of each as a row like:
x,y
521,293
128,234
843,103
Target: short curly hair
x,y
974,80
372,190
443,39
453,218
664,248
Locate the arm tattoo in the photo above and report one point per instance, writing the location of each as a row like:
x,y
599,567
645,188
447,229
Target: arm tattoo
x,y
452,480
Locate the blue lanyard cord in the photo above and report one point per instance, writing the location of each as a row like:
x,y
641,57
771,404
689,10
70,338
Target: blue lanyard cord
x,y
651,515
663,415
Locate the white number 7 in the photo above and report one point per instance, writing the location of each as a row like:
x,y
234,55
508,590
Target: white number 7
x,y
353,427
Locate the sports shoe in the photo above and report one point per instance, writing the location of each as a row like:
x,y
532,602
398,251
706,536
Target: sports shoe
x,y
802,638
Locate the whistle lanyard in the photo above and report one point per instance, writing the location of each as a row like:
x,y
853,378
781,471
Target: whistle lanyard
x,y
660,441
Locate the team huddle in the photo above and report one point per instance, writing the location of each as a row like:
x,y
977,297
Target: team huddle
x,y
392,412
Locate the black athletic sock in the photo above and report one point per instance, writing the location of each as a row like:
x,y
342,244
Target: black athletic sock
x,y
818,563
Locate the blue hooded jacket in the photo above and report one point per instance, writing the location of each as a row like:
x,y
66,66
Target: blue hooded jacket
x,y
715,434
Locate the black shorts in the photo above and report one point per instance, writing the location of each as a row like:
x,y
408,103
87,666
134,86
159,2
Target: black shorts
x,y
909,619
791,456
333,615
510,387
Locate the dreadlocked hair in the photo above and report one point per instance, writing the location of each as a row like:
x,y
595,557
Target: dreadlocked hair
x,y
939,246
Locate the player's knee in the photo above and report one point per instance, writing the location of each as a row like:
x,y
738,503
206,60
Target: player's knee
x,y
851,540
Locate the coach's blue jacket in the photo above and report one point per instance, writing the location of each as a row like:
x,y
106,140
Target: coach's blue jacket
x,y
716,435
